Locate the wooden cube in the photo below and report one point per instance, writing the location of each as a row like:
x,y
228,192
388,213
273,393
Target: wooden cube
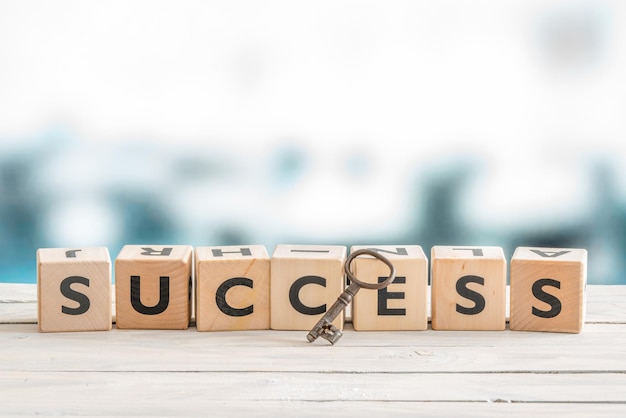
x,y
153,287
74,289
232,288
548,289
401,306
305,280
468,288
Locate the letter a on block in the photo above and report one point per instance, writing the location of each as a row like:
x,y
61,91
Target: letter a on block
x,y
304,281
468,288
232,288
74,289
548,289
153,287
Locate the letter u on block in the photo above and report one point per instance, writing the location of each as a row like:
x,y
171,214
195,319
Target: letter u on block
x,y
153,287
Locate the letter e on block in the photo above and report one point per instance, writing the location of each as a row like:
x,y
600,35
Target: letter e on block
x,y
401,306
74,289
153,287
232,288
468,288
305,280
548,289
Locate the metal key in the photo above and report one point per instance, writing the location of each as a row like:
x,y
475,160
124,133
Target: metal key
x,y
324,327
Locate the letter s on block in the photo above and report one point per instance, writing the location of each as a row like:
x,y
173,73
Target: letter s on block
x,y
68,292
477,298
553,301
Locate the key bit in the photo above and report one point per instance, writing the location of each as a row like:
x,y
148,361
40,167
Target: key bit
x,y
324,327
325,330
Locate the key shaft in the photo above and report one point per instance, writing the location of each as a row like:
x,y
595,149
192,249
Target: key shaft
x,y
342,302
324,327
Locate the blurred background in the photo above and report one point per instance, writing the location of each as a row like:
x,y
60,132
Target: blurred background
x,y
342,122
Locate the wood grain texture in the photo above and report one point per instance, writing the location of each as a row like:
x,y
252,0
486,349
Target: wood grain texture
x,y
191,393
305,281
278,373
400,306
281,408
605,304
548,289
153,287
74,289
481,273
232,288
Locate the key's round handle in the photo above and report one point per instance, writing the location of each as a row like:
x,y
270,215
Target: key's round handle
x,y
377,255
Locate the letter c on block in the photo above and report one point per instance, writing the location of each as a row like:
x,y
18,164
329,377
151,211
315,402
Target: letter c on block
x,y
220,296
294,295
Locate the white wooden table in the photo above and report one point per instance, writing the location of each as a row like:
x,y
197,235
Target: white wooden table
x,y
277,373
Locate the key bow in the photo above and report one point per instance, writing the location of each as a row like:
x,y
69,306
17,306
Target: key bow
x,y
324,327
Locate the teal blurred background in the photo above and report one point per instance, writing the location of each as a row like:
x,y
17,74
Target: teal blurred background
x,y
355,122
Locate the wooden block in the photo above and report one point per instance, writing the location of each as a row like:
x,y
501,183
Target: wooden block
x,y
74,289
153,286
304,281
468,288
232,288
548,289
401,306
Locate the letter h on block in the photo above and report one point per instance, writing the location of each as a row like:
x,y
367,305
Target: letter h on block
x,y
468,288
232,288
153,287
402,306
74,289
304,280
548,289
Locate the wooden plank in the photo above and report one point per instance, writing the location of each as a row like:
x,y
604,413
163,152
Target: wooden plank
x,y
192,393
606,304
601,347
348,409
18,303
261,373
595,335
